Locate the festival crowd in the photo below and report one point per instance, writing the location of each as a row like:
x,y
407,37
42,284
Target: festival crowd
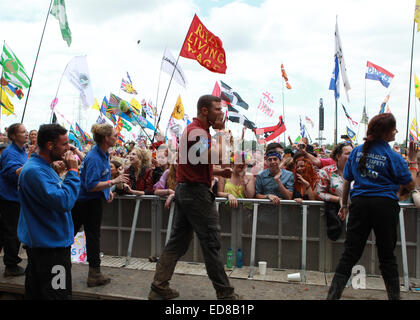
x,y
49,189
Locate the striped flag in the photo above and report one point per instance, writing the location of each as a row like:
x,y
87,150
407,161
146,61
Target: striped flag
x,y
13,69
414,130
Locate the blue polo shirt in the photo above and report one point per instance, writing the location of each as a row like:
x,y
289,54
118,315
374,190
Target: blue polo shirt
x,y
265,183
11,159
94,169
45,205
386,171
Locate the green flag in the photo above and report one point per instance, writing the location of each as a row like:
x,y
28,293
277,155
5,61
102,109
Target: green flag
x,y
59,11
126,125
13,69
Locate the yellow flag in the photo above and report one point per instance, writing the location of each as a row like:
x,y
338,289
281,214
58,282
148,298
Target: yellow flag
x,y
8,91
178,112
6,104
417,86
417,15
96,106
136,104
414,128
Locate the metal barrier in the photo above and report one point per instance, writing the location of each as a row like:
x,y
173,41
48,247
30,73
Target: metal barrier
x,y
153,215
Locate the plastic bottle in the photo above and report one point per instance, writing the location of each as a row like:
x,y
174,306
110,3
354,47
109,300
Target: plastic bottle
x,y
239,258
229,259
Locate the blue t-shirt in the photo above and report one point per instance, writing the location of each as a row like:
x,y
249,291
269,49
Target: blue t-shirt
x,y
11,159
265,183
386,170
45,205
94,169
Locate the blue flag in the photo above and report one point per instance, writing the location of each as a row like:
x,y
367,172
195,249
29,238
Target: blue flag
x,y
302,128
351,134
335,80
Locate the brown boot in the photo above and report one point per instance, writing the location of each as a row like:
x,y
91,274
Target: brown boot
x,y
96,278
167,294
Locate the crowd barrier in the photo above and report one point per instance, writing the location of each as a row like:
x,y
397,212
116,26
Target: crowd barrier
x,y
289,236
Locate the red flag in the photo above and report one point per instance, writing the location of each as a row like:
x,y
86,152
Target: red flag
x,y
119,125
270,133
217,92
202,45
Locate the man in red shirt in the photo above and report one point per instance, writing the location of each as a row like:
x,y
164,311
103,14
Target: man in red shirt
x,y
195,205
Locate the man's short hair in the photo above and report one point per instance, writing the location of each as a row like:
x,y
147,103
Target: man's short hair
x,y
272,146
49,132
206,101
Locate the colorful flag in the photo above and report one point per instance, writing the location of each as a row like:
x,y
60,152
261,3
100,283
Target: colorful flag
x,y
351,134
286,79
339,55
136,105
178,112
384,104
298,139
119,125
302,128
59,11
83,135
106,112
231,97
6,104
335,79
126,125
417,14
375,72
202,45
168,65
78,74
355,123
13,70
309,121
73,137
414,130
269,133
11,89
127,86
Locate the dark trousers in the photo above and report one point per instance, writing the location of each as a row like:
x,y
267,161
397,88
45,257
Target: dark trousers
x,y
195,211
367,213
89,214
48,274
9,217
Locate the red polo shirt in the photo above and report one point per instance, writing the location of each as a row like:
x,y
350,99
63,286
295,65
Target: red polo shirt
x,y
200,172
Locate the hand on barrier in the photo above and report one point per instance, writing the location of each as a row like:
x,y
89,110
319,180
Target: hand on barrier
x,y
232,201
169,201
111,197
274,199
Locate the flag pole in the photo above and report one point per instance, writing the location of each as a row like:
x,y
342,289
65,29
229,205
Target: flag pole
x,y
166,94
282,90
1,86
167,90
56,93
335,124
36,60
409,88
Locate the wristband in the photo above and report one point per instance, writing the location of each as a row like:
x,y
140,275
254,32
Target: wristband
x,y
75,170
109,183
412,162
412,168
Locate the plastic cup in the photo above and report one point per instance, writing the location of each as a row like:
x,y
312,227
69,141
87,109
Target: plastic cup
x,y
293,276
262,265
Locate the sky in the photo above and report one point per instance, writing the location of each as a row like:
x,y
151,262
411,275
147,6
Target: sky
x,y
258,36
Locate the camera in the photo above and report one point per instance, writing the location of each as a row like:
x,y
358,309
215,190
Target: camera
x,y
345,137
301,146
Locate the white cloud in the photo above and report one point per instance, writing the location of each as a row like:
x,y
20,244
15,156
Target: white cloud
x,y
257,39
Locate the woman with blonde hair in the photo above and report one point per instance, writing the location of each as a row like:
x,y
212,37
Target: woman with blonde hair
x,y
140,172
95,177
